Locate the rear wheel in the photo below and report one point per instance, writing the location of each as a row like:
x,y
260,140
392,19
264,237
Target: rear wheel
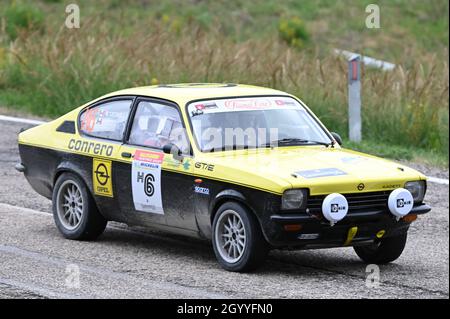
x,y
238,241
383,251
74,209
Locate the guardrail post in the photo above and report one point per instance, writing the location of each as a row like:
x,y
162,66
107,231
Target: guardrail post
x,y
354,98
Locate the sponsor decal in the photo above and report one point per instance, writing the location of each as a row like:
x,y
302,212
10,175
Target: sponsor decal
x,y
391,186
321,172
206,106
102,177
146,181
361,186
149,157
352,159
90,147
201,190
284,102
204,166
335,208
197,112
170,162
187,164
89,120
248,104
401,202
308,236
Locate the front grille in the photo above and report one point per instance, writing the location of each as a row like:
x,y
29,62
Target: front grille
x,y
356,201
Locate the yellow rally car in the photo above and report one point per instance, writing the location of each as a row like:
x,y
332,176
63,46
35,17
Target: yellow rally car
x,y
249,168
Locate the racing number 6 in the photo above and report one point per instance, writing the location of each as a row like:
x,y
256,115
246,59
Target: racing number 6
x,y
149,189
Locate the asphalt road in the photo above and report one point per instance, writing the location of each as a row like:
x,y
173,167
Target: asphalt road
x,y
36,262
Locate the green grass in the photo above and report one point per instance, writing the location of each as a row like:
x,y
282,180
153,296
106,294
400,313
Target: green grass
x,y
48,70
396,152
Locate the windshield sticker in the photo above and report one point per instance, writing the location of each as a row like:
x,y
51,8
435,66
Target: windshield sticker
x,y
146,181
284,102
203,106
243,104
321,172
247,104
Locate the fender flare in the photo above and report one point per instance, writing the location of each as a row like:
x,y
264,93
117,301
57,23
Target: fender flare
x,y
233,195
223,196
69,167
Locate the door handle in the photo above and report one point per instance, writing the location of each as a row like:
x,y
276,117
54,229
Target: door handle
x,y
126,155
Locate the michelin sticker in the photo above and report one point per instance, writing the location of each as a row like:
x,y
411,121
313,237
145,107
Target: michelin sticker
x,y
146,181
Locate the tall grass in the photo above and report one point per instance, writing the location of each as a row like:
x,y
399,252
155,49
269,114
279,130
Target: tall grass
x,y
52,73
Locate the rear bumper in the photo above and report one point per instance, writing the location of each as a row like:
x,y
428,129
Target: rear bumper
x,y
318,233
20,167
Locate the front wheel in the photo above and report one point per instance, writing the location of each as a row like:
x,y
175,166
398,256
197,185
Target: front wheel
x,y
238,242
74,209
383,251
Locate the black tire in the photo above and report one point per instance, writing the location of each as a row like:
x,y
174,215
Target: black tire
x,y
91,223
384,251
256,247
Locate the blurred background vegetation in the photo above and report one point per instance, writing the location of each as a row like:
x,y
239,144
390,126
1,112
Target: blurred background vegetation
x,y
48,69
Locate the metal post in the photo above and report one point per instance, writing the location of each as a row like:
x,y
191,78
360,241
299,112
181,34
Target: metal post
x,y
354,98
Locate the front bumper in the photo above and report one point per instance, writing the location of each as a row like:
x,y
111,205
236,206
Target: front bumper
x,y
315,232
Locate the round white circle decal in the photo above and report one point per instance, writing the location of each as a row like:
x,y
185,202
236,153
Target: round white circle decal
x,y
334,207
400,202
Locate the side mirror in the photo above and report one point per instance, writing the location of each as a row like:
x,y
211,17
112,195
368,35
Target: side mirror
x,y
174,150
337,137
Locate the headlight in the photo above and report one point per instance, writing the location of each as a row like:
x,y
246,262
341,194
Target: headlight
x,y
294,199
417,189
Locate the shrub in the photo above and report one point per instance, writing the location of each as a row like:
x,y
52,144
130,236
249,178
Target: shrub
x,y
21,17
293,31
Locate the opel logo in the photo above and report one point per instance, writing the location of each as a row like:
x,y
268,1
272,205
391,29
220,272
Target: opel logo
x,y
361,186
101,173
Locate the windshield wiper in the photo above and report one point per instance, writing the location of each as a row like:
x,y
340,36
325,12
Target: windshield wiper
x,y
296,141
281,142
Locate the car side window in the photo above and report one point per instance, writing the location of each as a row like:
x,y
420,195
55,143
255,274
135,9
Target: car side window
x,y
156,125
107,120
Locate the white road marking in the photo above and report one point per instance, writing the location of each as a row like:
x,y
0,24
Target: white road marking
x,y
20,120
168,287
35,122
118,227
23,209
438,180
99,271
42,291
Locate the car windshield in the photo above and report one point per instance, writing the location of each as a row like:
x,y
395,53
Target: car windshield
x,y
240,123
